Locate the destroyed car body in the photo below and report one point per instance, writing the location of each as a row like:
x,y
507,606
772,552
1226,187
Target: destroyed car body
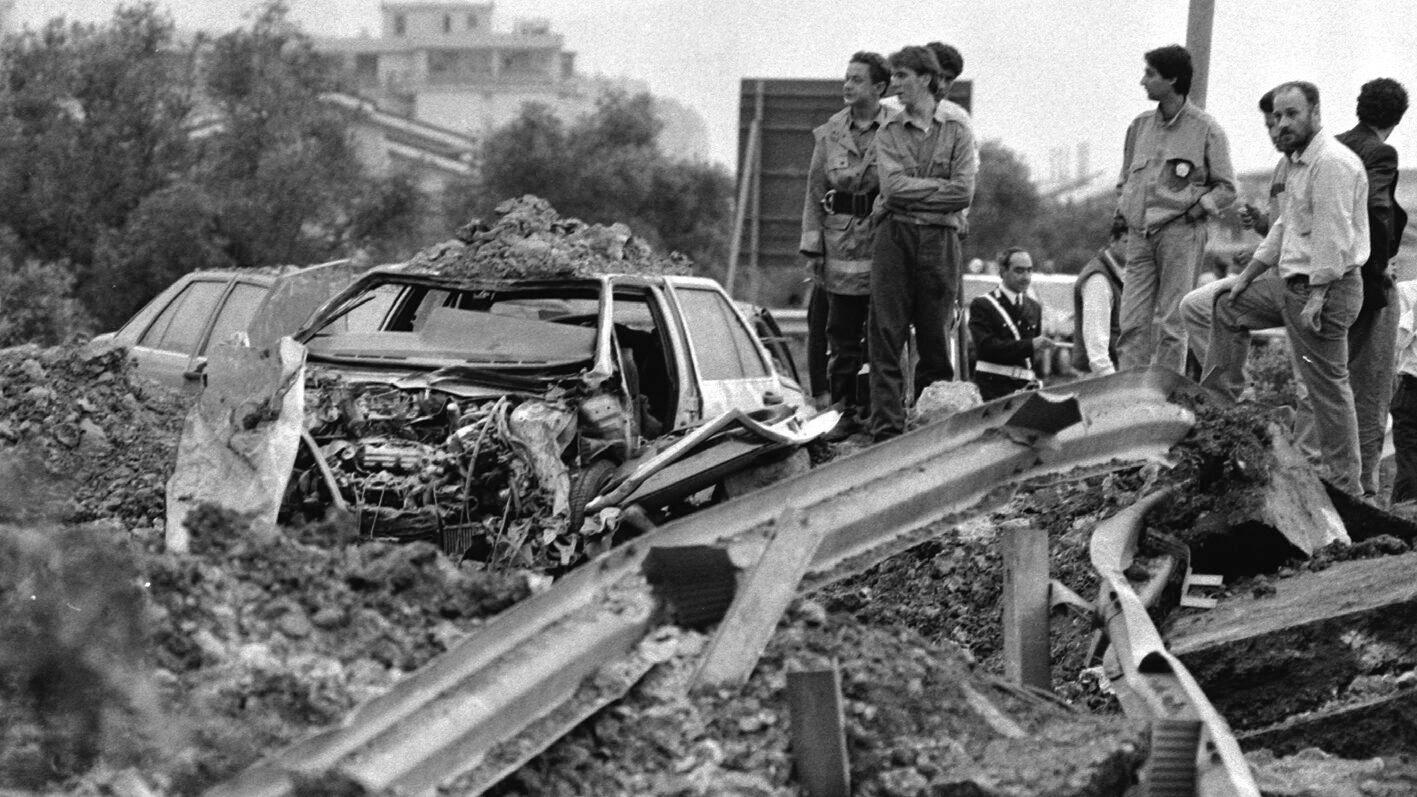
x,y
485,415
168,340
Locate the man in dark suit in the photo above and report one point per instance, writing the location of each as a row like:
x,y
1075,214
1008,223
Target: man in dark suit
x,y
1006,326
1381,104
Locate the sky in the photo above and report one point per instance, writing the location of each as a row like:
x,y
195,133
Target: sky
x,y
1047,73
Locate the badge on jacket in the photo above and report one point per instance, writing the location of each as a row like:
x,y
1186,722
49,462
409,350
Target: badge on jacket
x,y
1183,169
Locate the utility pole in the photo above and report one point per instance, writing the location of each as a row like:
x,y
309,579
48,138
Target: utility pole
x,y
1198,26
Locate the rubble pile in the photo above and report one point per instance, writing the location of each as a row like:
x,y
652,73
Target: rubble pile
x,y
105,440
949,590
528,239
193,666
978,736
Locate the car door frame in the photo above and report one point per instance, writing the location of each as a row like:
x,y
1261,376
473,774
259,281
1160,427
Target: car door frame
x,y
721,395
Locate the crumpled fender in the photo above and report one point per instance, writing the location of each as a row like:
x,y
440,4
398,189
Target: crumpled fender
x,y
792,429
239,440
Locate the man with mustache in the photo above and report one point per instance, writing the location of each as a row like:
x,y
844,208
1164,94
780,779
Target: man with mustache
x,y
1318,245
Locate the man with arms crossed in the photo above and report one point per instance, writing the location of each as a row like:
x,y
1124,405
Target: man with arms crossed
x,y
1318,244
927,169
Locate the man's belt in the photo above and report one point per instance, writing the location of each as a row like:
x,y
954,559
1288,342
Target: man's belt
x,y
835,201
1012,371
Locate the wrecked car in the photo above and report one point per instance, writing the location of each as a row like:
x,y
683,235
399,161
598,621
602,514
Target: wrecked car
x,y
488,416
168,340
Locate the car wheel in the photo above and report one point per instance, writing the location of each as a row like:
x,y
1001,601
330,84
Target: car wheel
x,y
586,485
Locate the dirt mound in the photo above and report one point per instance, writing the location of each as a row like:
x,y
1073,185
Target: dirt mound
x,y
528,239
978,735
189,668
76,420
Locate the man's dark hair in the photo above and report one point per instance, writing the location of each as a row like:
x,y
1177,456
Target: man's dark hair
x,y
1309,90
1381,103
1005,256
920,61
875,66
1267,102
950,59
1173,62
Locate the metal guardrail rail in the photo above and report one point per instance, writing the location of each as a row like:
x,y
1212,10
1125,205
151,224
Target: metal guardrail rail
x,y
1193,750
509,690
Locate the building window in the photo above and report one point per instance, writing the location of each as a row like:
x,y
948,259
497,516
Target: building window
x,y
472,22
447,23
400,24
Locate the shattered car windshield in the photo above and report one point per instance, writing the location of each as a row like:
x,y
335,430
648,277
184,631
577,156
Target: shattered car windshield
x,y
441,325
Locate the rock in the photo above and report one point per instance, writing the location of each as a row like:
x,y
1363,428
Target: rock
x,y
295,624
902,782
92,437
942,399
329,617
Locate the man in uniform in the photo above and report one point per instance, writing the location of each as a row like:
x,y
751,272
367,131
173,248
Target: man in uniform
x,y
1175,174
927,170
1318,244
1006,326
836,226
1097,302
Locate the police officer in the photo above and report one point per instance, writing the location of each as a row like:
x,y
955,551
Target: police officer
x,y
836,225
1006,325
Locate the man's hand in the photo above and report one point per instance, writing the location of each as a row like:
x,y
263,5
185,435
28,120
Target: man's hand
x,y
816,265
1241,283
1041,344
1208,205
1251,217
1312,314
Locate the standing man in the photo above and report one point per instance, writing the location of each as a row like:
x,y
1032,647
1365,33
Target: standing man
x,y
927,169
1006,326
1097,303
1381,104
1176,173
1318,243
842,187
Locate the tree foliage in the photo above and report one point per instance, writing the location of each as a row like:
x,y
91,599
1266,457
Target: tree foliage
x,y
137,157
606,166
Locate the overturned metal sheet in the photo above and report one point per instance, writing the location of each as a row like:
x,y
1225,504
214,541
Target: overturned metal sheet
x,y
508,686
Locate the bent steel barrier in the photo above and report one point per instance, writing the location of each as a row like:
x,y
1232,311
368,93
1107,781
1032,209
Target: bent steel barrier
x,y
510,689
1193,749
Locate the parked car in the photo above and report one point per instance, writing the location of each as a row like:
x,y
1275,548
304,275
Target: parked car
x,y
465,412
169,337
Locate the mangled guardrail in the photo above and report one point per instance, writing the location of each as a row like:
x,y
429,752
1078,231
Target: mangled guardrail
x,y
505,693
1193,750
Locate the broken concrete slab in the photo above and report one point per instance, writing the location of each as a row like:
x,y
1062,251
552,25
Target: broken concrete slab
x,y
1379,727
1262,659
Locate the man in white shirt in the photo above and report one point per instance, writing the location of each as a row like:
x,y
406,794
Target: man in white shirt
x,y
1318,244
1097,301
